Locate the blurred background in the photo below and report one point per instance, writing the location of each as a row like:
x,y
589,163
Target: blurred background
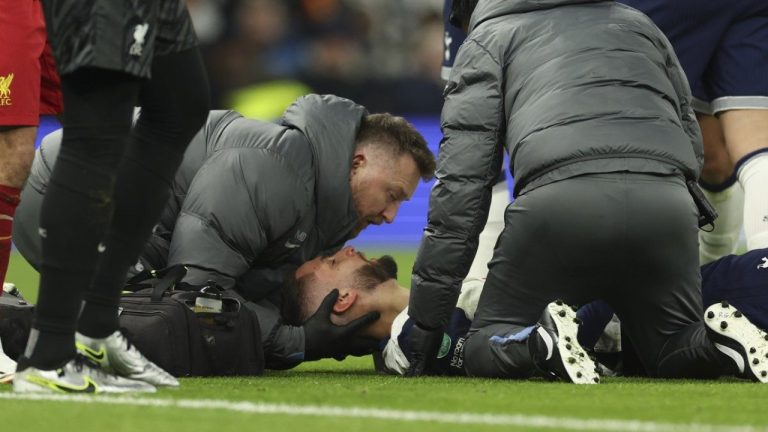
x,y
386,55
263,54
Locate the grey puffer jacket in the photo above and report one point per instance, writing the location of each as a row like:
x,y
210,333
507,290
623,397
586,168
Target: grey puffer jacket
x,y
245,183
256,182
242,186
567,87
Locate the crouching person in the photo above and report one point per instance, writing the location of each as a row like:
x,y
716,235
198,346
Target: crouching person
x,y
253,196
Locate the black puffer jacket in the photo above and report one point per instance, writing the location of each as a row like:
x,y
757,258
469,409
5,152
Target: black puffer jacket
x,y
568,87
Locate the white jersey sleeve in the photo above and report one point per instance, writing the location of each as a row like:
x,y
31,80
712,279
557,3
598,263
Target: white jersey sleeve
x,y
395,359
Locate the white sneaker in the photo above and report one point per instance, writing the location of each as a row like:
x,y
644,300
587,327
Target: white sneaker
x,y
10,289
115,353
739,339
7,366
76,376
555,350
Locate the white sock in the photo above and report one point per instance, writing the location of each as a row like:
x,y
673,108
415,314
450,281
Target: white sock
x,y
722,240
753,176
491,232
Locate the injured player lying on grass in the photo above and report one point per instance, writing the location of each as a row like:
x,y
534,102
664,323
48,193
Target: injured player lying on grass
x,y
369,285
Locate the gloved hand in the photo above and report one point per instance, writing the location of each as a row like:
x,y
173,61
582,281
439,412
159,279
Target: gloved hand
x,y
423,345
323,339
359,346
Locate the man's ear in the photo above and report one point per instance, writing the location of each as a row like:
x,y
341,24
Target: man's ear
x,y
358,160
345,301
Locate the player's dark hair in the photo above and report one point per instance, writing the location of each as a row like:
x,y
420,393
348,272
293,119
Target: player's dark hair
x,y
290,307
396,134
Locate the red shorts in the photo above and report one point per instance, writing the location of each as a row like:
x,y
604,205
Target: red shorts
x,y
29,84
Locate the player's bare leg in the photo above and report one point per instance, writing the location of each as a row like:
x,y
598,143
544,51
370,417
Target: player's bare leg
x,y
722,190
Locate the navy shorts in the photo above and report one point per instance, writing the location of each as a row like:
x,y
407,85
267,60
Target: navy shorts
x,y
742,280
722,46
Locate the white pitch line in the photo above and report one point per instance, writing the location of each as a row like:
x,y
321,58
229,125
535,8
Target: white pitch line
x,y
517,420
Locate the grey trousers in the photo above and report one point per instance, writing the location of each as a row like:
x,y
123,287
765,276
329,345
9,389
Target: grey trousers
x,y
629,239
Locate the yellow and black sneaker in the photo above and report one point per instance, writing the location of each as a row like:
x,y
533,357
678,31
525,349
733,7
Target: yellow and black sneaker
x,y
116,354
76,376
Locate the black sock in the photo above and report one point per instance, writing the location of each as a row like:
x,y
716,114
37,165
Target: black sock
x,y
174,107
57,349
77,207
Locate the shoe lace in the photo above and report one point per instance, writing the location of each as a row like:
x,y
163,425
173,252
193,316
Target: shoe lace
x,y
83,362
127,340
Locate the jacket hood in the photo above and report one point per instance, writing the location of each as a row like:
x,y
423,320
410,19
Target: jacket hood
x,y
330,123
488,9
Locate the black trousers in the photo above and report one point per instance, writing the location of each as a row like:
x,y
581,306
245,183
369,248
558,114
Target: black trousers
x,y
627,238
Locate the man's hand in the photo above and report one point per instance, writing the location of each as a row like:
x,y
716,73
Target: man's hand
x,y
359,346
424,345
323,339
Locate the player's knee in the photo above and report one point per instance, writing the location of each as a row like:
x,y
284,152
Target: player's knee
x,y
718,165
96,145
717,169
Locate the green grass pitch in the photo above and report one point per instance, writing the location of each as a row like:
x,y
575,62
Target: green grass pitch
x,y
349,396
